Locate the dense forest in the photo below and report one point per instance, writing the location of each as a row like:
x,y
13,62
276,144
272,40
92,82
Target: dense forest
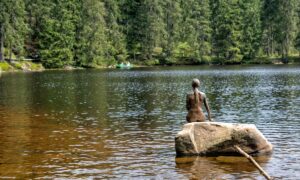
x,y
88,33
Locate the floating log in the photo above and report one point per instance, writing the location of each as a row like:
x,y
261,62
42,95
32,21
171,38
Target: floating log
x,y
250,158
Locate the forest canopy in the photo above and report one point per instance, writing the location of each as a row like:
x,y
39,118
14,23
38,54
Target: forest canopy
x,y
90,33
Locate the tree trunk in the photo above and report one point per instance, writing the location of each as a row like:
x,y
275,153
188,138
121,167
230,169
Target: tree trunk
x,y
282,52
272,41
2,43
269,42
287,49
10,52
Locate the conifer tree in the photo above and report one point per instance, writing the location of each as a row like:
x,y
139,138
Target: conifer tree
x,y
129,22
195,32
13,28
227,31
145,27
91,45
152,27
251,28
57,33
269,18
189,45
115,37
204,31
36,12
172,19
286,26
297,40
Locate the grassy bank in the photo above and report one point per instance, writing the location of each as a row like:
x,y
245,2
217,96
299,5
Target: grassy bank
x,y
12,66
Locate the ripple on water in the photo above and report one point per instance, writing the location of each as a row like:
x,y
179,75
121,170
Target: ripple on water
x,y
115,124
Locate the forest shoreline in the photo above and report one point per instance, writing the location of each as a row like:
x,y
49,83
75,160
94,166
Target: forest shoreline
x,y
29,66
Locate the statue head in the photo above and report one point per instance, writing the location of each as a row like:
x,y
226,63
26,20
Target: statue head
x,y
195,83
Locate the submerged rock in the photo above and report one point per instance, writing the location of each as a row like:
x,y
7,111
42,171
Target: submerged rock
x,y
215,138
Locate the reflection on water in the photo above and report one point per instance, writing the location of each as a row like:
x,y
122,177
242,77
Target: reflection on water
x,y
121,124
222,167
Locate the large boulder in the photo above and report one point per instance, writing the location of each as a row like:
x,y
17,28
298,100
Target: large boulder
x,y
215,138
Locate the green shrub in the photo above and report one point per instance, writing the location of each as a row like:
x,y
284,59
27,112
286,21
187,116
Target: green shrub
x,y
7,54
169,61
152,62
261,60
206,59
35,66
157,51
5,66
56,58
18,65
183,50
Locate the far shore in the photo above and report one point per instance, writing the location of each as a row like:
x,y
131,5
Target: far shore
x,y
29,66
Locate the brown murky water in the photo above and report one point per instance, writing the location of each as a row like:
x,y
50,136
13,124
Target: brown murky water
x,y
120,124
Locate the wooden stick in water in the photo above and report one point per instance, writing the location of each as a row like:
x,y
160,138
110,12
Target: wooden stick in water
x,y
250,158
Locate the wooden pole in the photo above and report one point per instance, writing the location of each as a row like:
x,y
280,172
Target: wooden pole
x,y
250,158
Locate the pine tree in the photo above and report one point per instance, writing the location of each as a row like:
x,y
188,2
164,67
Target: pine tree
x,y
251,28
152,27
297,40
116,39
57,33
195,32
172,19
204,31
297,43
286,26
269,17
129,22
13,28
188,47
91,41
145,28
36,12
227,33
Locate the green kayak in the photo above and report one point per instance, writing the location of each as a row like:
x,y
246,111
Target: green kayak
x,y
123,66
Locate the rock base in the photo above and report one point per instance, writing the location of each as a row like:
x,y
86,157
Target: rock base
x,y
215,138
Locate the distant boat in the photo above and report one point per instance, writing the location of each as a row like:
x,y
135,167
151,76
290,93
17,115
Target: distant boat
x,y
124,66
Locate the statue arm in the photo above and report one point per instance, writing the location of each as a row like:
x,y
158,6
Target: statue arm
x,y
188,107
207,107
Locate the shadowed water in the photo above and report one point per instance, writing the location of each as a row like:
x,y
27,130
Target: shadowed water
x,y
121,124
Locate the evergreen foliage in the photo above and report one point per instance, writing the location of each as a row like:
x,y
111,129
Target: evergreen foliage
x,y
195,31
286,26
13,28
114,31
227,19
91,46
93,33
172,20
251,28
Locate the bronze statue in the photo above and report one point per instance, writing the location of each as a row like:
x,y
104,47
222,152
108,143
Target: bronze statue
x,y
194,102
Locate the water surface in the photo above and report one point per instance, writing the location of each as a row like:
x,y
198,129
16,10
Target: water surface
x,y
121,124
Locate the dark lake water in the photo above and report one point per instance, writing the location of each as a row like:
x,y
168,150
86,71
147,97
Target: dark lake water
x,y
121,124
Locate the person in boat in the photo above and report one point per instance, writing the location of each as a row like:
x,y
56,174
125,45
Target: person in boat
x,y
194,101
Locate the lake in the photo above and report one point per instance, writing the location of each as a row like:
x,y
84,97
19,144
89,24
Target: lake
x,y
121,124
